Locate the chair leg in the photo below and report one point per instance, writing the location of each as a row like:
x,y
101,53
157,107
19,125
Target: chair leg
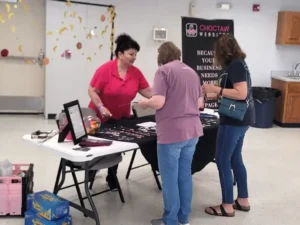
x,y
116,180
131,163
92,178
156,179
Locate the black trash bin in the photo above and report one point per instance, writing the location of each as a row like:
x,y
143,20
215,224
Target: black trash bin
x,y
264,103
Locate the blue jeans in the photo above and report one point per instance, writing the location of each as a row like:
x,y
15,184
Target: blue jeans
x,y
175,166
229,156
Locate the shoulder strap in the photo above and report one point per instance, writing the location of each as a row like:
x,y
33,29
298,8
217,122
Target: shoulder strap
x,y
247,79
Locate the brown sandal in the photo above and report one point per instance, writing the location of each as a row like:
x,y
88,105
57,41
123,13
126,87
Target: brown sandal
x,y
223,212
239,207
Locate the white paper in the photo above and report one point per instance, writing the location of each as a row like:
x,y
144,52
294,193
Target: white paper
x,y
147,124
210,112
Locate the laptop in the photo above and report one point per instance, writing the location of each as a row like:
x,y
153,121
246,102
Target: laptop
x,y
77,128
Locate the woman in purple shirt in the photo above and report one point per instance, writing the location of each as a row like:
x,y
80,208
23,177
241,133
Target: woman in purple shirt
x,y
177,97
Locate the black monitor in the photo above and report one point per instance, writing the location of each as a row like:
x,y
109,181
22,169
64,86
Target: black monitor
x,y
75,121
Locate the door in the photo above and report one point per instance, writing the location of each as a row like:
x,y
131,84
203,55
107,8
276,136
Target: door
x,y
293,108
293,31
22,83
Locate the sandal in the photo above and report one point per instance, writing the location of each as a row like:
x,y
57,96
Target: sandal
x,y
239,207
215,213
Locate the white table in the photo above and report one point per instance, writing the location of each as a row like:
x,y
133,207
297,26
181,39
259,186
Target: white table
x,y
65,149
67,154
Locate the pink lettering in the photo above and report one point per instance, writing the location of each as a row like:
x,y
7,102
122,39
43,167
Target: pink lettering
x,y
214,28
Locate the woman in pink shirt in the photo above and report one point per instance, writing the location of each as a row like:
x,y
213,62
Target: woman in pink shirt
x,y
177,97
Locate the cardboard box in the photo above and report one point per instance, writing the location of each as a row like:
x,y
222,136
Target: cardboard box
x,y
32,218
47,205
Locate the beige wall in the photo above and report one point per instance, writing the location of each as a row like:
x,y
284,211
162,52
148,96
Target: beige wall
x,y
16,77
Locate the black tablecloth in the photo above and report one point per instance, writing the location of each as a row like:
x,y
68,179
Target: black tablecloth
x,y
205,149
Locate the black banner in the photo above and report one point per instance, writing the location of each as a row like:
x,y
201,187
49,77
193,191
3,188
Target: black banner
x,y
198,37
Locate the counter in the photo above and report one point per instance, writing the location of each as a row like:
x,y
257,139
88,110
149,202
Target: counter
x,y
284,76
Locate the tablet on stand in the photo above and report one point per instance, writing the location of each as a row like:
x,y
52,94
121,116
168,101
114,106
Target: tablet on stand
x,y
76,126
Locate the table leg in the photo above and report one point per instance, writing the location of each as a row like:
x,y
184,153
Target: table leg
x,y
131,163
86,186
62,171
57,176
156,179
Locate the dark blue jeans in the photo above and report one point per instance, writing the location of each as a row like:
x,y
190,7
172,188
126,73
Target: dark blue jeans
x,y
229,156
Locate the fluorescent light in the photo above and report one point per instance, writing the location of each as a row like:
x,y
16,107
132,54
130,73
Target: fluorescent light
x,y
224,6
9,1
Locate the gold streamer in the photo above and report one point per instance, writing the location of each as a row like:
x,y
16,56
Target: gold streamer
x,y
13,28
80,19
68,3
15,6
26,8
28,61
10,15
89,59
71,27
49,33
8,8
20,48
73,14
62,30
89,36
65,14
104,31
20,1
100,46
54,48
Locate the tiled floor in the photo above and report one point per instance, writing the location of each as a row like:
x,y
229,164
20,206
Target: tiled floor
x,y
272,157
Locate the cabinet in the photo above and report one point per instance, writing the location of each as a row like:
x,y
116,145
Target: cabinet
x,y
287,111
288,28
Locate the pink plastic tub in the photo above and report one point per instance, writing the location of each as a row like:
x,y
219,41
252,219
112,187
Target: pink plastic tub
x,y
11,192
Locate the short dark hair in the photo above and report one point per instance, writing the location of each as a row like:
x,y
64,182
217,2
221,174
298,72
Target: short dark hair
x,y
226,49
125,42
168,52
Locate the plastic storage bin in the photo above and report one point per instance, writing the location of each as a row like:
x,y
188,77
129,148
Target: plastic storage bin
x,y
14,190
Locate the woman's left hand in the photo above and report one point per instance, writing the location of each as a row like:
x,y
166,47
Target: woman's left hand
x,y
143,104
210,88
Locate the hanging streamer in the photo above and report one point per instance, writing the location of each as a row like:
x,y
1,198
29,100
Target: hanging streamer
x,y
8,8
10,15
20,48
68,3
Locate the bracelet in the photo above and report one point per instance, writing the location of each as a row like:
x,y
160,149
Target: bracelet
x,y
101,106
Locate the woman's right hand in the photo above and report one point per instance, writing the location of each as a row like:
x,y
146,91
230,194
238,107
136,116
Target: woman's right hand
x,y
105,112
